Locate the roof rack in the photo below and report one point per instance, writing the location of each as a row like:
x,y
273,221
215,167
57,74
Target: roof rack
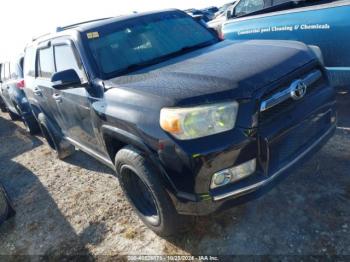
x,y
60,29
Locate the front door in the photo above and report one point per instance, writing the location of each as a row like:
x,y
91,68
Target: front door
x,y
74,104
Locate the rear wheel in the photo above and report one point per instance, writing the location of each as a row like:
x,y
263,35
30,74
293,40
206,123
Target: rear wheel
x,y
143,188
61,147
4,206
6,209
13,116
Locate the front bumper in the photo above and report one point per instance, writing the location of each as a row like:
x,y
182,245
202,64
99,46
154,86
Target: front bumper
x,y
274,176
206,205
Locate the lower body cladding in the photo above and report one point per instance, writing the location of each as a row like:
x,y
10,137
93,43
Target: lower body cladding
x,y
277,148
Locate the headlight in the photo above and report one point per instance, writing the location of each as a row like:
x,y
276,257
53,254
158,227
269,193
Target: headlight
x,y
201,121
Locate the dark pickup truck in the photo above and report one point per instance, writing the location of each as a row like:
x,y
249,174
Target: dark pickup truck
x,y
187,121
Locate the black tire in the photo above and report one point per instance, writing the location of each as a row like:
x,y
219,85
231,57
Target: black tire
x,y
32,126
30,123
61,147
4,206
13,116
143,188
6,209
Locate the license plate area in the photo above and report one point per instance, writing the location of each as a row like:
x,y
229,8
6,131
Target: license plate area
x,y
291,144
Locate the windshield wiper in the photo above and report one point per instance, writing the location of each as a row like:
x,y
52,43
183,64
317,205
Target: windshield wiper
x,y
137,66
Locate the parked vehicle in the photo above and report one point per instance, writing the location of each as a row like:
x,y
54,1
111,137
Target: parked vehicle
x,y
205,15
243,8
2,103
187,121
212,9
220,18
6,209
322,23
12,85
224,8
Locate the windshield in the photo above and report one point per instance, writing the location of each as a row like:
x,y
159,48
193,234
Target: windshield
x,y
128,45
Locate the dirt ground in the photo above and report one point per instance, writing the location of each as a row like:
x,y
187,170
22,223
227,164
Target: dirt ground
x,y
76,207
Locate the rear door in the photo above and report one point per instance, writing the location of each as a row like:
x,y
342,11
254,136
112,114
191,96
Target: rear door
x,y
15,91
5,86
42,88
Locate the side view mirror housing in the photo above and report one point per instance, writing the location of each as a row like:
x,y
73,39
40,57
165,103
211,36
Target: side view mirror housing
x,y
228,14
65,79
214,31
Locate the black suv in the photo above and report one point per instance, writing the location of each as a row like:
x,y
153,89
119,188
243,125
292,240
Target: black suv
x,y
187,121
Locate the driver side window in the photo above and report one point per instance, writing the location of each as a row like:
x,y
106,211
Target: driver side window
x,y
249,6
65,59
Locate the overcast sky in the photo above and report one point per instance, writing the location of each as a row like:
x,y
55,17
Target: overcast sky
x,y
21,20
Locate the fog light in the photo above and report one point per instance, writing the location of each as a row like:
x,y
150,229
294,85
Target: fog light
x,y
221,178
234,174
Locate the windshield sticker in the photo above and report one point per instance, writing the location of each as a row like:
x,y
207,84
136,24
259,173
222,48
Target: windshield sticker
x,y
289,28
93,35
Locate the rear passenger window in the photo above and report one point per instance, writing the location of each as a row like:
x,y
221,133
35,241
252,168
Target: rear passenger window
x,y
66,59
29,62
45,63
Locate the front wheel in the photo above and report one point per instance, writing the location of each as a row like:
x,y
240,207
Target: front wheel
x,y
143,188
32,126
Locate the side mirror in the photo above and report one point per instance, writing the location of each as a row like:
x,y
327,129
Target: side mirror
x,y
214,31
228,14
65,79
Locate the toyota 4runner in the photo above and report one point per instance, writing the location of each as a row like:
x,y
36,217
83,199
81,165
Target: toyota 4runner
x,y
188,122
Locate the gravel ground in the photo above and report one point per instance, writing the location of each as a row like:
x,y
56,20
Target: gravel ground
x,y
76,207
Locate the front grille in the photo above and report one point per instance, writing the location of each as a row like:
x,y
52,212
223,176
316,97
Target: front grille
x,y
296,141
287,103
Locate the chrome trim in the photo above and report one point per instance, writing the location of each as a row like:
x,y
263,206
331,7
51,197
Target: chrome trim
x,y
287,93
256,186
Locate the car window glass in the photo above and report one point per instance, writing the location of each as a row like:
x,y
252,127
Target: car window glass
x,y
7,71
15,70
66,59
136,43
45,63
2,72
29,62
249,6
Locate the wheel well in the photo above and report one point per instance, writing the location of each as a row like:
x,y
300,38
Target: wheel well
x,y
113,145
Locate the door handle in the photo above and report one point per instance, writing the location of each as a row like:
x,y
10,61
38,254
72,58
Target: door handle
x,y
57,97
37,91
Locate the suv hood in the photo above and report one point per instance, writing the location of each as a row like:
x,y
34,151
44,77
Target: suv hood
x,y
240,67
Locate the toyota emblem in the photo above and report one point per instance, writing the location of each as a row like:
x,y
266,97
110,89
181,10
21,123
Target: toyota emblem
x,y
298,90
